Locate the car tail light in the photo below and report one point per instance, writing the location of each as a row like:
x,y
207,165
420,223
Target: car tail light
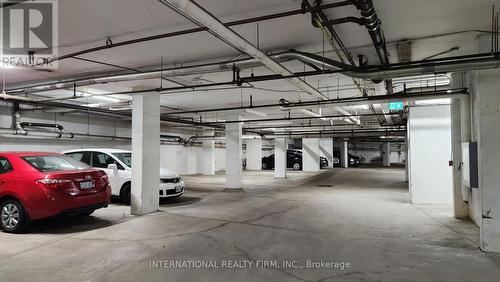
x,y
52,184
104,182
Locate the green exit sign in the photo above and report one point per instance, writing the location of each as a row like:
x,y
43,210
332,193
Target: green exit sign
x,y
396,106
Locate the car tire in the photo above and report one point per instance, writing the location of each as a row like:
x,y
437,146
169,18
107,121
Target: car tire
x,y
264,166
297,166
125,193
11,211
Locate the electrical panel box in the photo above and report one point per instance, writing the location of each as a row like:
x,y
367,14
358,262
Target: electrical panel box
x,y
470,165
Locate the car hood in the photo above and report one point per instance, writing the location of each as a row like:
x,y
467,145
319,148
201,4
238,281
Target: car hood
x,y
167,173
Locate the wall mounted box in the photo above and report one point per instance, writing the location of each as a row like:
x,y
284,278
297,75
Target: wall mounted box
x,y
470,165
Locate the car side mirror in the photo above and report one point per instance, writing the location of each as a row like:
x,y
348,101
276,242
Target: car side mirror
x,y
114,167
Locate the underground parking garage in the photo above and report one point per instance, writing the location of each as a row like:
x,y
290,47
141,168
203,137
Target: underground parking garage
x,y
181,140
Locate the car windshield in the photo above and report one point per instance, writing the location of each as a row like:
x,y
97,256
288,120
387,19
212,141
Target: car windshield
x,y
54,163
125,158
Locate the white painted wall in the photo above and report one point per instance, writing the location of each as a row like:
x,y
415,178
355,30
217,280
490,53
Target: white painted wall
x,y
430,150
183,159
220,159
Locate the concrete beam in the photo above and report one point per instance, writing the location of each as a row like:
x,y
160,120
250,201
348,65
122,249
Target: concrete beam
x,y
145,153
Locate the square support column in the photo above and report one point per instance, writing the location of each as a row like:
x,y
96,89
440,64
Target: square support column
x,y
310,154
234,155
344,155
254,154
485,91
326,150
280,157
386,154
208,157
145,153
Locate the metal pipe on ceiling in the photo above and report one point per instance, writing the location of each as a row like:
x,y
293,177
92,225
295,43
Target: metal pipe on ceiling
x,y
200,16
444,65
148,73
473,62
319,126
423,95
199,29
374,26
294,118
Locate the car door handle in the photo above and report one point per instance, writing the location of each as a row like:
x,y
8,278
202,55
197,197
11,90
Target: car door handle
x,y
2,181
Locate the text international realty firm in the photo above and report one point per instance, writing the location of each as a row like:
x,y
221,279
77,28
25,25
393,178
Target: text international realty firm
x,y
240,264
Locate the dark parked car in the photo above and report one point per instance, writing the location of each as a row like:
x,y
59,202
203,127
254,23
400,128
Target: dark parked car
x,y
293,160
354,161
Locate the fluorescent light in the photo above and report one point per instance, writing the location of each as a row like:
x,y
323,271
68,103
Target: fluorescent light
x,y
308,112
100,97
95,105
444,101
257,113
251,137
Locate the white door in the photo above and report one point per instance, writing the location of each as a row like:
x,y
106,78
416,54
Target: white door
x,y
101,161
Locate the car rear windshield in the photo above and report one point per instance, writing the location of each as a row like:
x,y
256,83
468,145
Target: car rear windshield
x,y
126,158
54,163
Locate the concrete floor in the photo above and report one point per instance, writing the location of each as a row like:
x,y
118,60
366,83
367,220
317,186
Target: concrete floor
x,y
359,216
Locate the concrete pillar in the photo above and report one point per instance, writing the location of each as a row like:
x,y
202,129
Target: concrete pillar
x,y
407,159
460,208
386,154
344,155
254,154
485,90
460,133
234,154
310,154
326,150
208,157
280,146
145,153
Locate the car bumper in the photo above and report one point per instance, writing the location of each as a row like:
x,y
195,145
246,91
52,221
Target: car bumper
x,y
52,203
168,190
84,209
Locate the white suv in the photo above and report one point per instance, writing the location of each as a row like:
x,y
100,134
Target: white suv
x,y
117,165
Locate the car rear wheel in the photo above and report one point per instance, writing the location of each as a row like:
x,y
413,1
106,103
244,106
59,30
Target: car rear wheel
x,y
296,166
13,218
125,194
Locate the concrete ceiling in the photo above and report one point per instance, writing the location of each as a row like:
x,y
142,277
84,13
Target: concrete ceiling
x,y
85,24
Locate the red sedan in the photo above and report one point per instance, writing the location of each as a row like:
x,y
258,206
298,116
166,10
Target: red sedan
x,y
40,185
